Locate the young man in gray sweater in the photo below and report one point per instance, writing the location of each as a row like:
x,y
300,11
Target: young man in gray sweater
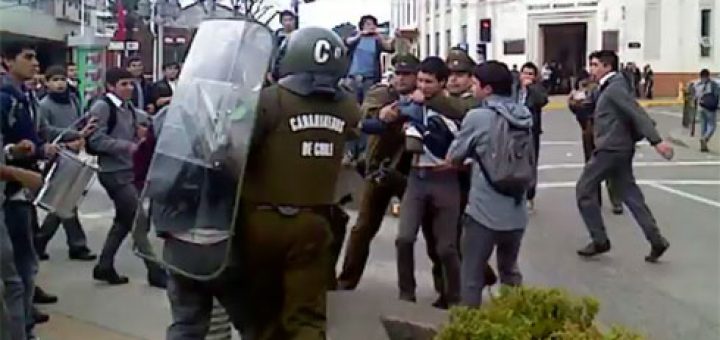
x,y
59,112
117,137
491,219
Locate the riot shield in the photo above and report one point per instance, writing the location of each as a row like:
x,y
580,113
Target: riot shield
x,y
188,204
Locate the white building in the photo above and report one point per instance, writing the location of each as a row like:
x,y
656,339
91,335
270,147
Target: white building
x,y
676,37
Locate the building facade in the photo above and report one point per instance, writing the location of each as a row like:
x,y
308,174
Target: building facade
x,y
48,24
676,37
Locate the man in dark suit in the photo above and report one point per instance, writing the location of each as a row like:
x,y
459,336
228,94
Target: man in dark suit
x,y
619,123
162,91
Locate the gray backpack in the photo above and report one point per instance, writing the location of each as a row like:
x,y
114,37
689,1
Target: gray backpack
x,y
509,163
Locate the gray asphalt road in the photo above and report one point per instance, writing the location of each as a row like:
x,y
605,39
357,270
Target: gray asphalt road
x,y
678,298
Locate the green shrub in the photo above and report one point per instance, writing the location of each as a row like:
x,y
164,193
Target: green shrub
x,y
531,314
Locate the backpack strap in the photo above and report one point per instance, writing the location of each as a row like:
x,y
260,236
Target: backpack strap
x,y
112,118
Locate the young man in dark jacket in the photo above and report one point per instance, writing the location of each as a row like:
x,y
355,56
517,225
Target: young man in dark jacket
x,y
22,147
531,94
59,113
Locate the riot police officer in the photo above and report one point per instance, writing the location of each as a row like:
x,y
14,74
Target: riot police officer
x,y
295,157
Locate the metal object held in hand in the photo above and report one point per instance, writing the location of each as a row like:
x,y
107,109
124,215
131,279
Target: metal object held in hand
x,y
66,184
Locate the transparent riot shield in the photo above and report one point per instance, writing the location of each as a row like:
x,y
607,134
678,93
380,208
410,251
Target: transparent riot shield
x,y
188,204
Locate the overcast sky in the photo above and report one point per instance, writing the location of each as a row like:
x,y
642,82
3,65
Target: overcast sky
x,y
328,13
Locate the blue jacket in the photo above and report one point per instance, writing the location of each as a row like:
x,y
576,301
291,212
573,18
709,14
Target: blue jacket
x,y
16,121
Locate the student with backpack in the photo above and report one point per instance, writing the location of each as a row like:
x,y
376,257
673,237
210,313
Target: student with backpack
x,y
114,142
498,137
707,92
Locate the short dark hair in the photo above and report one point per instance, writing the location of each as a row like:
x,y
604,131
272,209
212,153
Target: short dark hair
x,y
115,74
532,66
496,75
287,13
365,18
54,71
13,49
606,57
435,66
704,73
170,64
70,64
134,59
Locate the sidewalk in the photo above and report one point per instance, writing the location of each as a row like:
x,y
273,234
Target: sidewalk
x,y
62,327
559,102
681,137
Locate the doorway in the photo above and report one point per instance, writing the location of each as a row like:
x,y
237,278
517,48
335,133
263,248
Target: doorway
x,y
565,50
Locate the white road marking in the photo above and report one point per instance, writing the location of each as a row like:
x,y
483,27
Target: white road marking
x,y
667,113
635,164
685,194
573,142
569,184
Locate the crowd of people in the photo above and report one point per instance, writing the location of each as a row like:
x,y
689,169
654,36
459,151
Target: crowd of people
x,y
457,142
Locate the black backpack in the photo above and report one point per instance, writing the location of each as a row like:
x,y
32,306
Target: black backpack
x,y
111,123
509,163
711,100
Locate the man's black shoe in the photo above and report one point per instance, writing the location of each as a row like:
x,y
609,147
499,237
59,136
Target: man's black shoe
x,y
657,251
39,317
617,210
490,277
593,249
81,254
408,297
42,298
440,303
109,275
157,278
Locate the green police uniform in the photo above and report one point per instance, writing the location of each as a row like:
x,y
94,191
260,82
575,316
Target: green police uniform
x,y
289,185
384,151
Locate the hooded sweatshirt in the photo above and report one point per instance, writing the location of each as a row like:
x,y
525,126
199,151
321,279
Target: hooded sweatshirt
x,y
486,206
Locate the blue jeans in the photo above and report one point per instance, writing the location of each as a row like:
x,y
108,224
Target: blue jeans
x,y
12,303
709,123
18,218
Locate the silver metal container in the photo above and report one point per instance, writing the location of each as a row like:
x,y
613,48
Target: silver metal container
x,y
66,184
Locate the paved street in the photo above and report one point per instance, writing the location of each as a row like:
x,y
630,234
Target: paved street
x,y
678,298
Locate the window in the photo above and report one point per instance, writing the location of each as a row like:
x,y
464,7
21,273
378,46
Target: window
x,y
705,32
610,40
448,5
427,6
407,13
448,40
427,45
652,29
511,47
437,4
464,34
437,43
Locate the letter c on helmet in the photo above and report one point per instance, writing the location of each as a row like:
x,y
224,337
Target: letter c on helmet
x,y
323,51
